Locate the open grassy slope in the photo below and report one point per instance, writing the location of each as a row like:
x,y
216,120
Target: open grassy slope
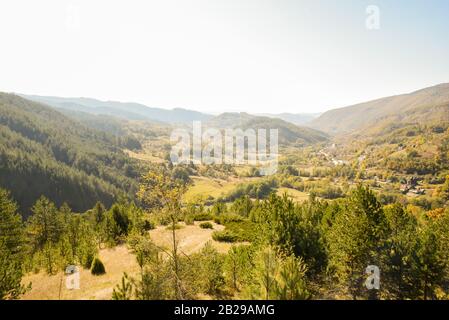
x,y
429,104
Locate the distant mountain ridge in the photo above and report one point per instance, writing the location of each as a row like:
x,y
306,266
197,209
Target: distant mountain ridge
x,y
295,118
137,111
428,104
126,110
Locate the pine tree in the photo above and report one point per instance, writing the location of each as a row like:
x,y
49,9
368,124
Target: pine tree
x,y
432,257
11,227
291,284
11,249
265,273
212,270
398,255
355,239
236,265
45,228
124,290
10,274
100,223
97,268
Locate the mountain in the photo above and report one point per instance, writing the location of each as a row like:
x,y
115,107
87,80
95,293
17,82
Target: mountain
x,y
43,152
288,132
295,118
429,104
229,120
125,110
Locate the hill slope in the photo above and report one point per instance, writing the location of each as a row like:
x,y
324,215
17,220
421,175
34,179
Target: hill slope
x,y
42,152
288,132
298,119
429,104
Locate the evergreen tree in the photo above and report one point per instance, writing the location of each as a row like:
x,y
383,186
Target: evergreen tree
x,y
398,256
236,265
264,275
212,270
11,249
10,274
291,284
242,206
45,228
432,257
97,268
11,227
356,239
124,290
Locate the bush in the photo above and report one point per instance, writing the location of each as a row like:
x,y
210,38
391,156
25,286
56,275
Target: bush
x,y
149,224
224,236
228,217
236,231
189,219
176,227
259,190
203,216
206,225
182,174
97,268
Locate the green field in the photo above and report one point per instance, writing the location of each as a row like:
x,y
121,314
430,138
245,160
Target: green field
x,y
296,195
204,188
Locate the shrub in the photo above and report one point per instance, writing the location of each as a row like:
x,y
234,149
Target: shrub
x,y
224,236
219,208
163,219
149,224
260,190
189,219
97,268
206,225
244,230
176,227
182,174
203,216
228,217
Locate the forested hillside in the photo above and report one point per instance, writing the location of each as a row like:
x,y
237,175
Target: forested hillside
x,y
422,105
42,152
288,132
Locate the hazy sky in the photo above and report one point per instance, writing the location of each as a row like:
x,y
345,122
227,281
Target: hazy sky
x,y
223,55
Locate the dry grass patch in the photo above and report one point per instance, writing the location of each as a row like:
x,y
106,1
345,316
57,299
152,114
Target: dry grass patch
x,y
191,238
116,261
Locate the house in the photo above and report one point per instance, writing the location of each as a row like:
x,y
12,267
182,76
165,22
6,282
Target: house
x,y
411,186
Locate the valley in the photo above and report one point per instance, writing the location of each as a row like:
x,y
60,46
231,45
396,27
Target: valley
x,y
91,183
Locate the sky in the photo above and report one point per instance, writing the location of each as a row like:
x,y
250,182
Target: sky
x,y
257,56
